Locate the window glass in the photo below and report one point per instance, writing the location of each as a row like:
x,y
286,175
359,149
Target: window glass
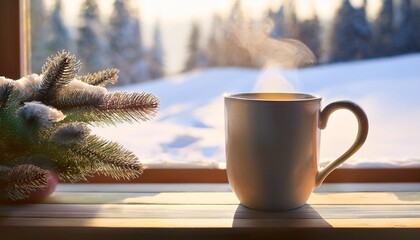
x,y
191,53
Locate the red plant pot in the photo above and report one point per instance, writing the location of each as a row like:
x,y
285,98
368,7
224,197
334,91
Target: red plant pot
x,y
41,194
38,195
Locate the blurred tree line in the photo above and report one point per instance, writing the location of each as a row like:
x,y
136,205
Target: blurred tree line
x,y
349,36
116,43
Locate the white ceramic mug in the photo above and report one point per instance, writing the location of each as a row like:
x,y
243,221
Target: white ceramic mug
x,y
272,146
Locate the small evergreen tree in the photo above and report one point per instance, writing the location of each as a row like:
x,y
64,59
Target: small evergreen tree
x,y
350,36
277,19
284,20
44,127
236,18
383,31
91,47
362,33
156,64
233,47
406,37
309,33
416,21
39,47
126,45
193,59
290,22
214,45
59,35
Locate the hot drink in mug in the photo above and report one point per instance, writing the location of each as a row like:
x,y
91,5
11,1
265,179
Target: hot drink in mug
x,y
272,146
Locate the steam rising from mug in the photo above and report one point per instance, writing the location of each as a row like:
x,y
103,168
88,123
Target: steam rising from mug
x,y
254,43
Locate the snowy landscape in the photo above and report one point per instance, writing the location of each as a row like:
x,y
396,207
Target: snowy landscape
x,y
191,55
189,128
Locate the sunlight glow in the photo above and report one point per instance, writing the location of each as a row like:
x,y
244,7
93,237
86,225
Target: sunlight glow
x,y
175,17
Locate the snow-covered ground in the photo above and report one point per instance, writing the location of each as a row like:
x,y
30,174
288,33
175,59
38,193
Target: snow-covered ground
x,y
189,129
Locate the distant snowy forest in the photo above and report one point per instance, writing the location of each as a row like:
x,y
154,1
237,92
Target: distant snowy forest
x,y
349,36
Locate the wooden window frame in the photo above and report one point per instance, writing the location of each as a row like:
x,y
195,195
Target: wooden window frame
x,y
14,36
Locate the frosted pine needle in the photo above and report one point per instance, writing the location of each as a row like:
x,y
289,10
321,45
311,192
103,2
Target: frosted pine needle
x,y
101,78
70,133
130,106
58,72
79,85
5,92
78,99
35,113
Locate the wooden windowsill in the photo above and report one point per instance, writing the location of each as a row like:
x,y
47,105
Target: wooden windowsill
x,y
211,211
208,175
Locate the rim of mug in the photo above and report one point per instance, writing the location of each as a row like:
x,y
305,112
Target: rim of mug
x,y
298,97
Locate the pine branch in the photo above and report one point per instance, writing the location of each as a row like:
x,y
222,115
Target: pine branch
x,y
116,108
18,133
75,161
36,115
130,106
34,136
18,182
5,92
70,133
120,168
101,78
69,165
75,175
77,99
27,88
3,172
15,97
109,158
75,168
58,71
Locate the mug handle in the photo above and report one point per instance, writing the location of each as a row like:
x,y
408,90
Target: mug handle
x,y
363,127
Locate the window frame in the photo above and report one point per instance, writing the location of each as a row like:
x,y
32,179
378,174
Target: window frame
x,y
10,41
14,49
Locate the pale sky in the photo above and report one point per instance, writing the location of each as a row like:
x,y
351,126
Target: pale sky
x,y
175,18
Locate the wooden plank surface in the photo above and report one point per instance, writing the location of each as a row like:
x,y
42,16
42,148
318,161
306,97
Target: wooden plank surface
x,y
200,214
216,175
207,211
211,187
406,198
226,223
